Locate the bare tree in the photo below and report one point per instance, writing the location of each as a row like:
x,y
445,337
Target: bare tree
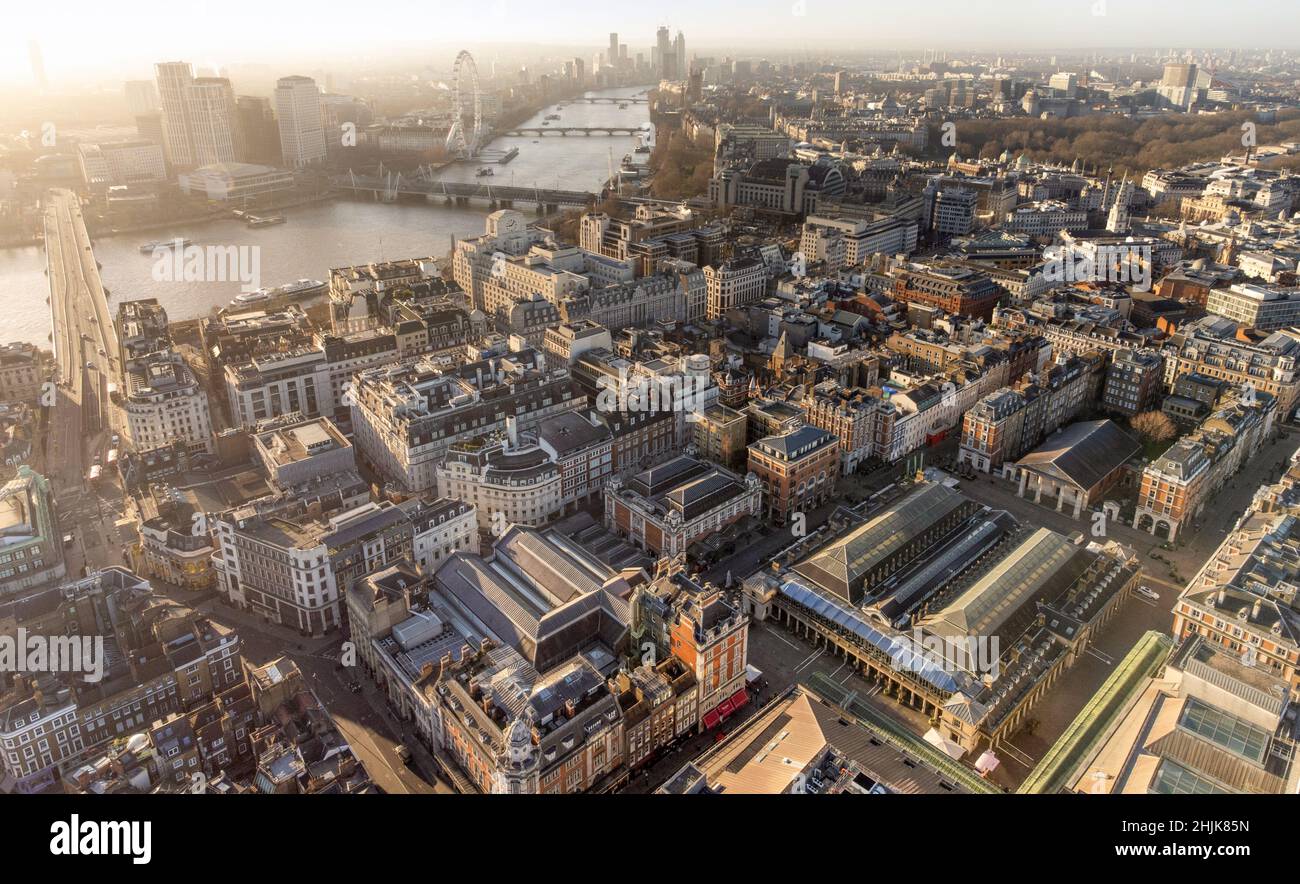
x,y
1154,426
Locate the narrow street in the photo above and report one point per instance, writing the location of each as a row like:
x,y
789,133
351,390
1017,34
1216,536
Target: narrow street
x,y
363,718
81,424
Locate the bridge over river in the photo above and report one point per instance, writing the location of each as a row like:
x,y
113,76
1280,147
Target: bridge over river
x,y
577,130
608,99
389,185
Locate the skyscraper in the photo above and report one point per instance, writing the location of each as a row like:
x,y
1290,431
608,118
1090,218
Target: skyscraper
x,y
667,59
679,51
1178,85
150,127
612,58
174,79
214,122
141,97
257,129
302,133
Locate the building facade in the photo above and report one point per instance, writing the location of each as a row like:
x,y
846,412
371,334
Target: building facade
x,y
797,472
165,402
302,133
666,509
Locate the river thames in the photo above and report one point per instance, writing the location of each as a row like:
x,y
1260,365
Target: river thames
x,y
334,233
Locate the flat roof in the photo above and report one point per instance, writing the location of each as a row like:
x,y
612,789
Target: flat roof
x,y
770,751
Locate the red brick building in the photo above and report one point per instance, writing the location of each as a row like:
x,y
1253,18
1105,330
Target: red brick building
x,y
712,639
667,508
952,289
640,437
798,471
659,707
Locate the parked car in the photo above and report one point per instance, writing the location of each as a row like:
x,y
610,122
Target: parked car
x,y
1148,592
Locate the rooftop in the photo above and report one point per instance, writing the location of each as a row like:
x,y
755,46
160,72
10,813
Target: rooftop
x,y
1083,453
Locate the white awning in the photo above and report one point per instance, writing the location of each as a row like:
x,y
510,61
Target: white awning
x,y
934,738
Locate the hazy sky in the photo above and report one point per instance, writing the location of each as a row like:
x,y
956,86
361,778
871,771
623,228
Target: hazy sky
x,y
79,37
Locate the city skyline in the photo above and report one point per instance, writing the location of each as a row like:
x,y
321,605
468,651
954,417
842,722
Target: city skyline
x,y
70,46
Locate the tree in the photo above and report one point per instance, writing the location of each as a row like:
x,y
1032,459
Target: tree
x,y
1154,426
1116,142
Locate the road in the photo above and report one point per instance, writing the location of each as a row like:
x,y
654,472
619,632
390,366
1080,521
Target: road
x,y
82,420
363,718
82,417
85,345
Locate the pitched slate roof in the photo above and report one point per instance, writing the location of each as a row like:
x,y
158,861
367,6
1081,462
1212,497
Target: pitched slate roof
x,y
787,445
1083,453
1039,567
703,494
840,567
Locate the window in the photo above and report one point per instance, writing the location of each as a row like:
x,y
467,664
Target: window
x,y
1174,779
1225,730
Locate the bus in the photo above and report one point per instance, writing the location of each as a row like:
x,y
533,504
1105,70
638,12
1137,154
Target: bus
x,y
111,459
93,476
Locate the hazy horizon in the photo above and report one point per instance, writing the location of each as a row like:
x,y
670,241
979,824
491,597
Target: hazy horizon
x,y
83,43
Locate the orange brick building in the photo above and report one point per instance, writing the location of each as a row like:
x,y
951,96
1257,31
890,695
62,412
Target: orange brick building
x,y
952,289
667,508
712,639
798,471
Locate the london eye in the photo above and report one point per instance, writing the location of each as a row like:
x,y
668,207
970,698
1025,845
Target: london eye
x,y
466,100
